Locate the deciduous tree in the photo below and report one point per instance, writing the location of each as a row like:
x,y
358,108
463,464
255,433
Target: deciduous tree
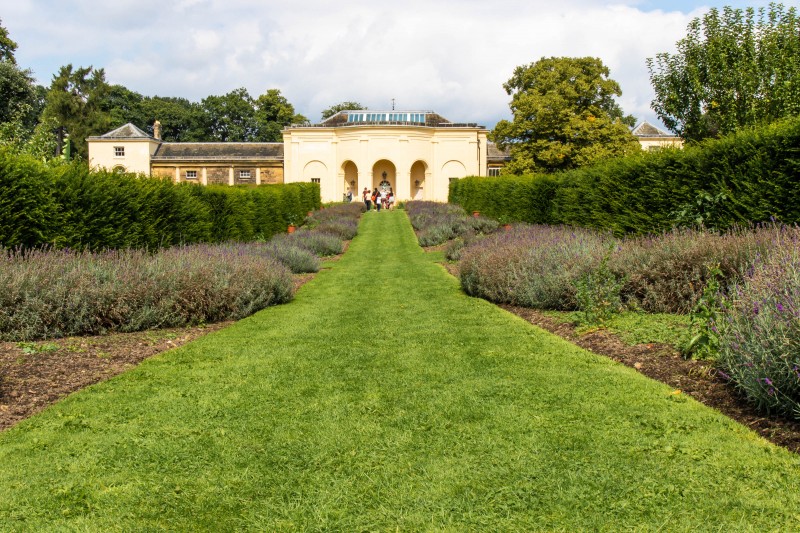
x,y
273,113
734,68
344,106
565,116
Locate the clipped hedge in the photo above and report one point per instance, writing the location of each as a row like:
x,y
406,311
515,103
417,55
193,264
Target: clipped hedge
x,y
74,207
750,176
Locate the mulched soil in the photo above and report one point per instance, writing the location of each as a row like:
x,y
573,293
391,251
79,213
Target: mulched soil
x,y
698,379
35,374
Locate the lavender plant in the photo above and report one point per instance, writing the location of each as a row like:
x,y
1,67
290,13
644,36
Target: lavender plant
x,y
759,330
532,266
437,223
51,293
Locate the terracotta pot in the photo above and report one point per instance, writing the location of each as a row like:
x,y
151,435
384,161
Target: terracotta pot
x,y
476,214
506,227
290,229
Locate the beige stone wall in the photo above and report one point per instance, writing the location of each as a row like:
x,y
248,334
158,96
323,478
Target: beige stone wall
x,y
333,155
272,175
218,176
163,172
136,158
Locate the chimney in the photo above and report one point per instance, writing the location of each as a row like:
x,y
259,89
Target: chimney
x,y
157,130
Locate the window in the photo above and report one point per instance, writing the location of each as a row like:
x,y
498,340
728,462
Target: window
x,y
191,174
494,172
314,180
244,174
119,151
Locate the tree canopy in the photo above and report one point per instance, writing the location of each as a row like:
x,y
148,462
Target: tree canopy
x,y
734,68
78,102
343,106
565,116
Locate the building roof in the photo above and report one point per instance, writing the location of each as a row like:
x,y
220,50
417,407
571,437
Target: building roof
x,y
388,117
218,150
128,131
645,129
496,155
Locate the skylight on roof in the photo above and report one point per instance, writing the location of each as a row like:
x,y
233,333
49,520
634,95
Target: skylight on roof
x,y
418,118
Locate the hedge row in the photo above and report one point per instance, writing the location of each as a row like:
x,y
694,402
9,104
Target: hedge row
x,y
74,207
750,176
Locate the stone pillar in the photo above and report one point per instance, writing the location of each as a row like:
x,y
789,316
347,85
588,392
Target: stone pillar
x,y
204,178
258,175
403,191
177,174
231,182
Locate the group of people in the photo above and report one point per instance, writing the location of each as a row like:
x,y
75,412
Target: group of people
x,y
381,199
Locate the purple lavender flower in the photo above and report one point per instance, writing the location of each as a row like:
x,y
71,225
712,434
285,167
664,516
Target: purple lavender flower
x,y
768,381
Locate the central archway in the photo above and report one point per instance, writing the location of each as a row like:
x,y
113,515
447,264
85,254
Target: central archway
x,y
384,176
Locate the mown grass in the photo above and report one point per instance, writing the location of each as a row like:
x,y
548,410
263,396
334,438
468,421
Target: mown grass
x,y
635,327
383,398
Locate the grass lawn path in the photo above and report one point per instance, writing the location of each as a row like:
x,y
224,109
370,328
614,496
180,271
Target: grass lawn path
x,y
382,399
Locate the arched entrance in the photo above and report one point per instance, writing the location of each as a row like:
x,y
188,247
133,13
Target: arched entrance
x,y
417,185
350,171
384,176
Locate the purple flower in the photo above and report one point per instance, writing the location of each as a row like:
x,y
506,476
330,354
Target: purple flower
x,y
768,381
780,308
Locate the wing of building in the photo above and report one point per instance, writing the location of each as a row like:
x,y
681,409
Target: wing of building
x,y
415,153
651,137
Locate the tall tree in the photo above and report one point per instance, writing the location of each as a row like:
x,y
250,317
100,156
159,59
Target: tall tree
x,y
734,68
181,120
344,106
565,116
273,113
7,46
78,101
230,117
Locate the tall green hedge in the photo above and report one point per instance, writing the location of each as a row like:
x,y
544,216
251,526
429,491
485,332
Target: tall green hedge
x,y
747,177
72,206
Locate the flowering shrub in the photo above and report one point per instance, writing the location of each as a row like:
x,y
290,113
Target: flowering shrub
x,y
759,330
316,242
437,223
48,293
532,266
667,273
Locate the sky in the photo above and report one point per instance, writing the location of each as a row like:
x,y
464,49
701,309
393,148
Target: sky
x,y
448,56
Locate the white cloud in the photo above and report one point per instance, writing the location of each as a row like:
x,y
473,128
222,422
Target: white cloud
x,y
449,56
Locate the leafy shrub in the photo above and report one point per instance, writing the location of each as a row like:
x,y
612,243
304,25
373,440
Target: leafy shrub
x,y
598,294
532,266
318,243
49,293
72,206
667,273
298,260
437,223
746,177
759,330
344,228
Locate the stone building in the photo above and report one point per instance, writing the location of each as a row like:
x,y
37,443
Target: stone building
x,y
415,153
651,137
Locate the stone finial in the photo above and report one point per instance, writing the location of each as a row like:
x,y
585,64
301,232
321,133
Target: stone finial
x,y
157,130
